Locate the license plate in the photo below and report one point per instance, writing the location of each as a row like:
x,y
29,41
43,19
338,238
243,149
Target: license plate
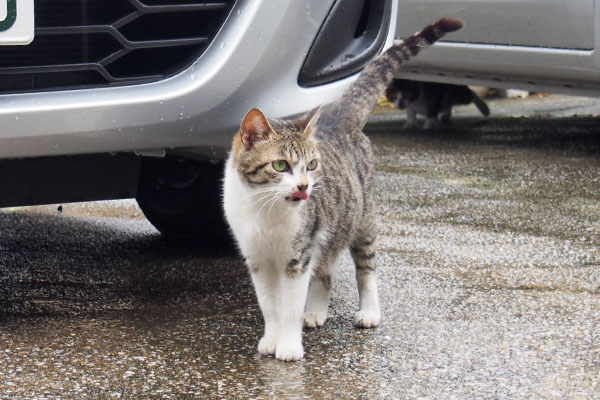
x,y
16,22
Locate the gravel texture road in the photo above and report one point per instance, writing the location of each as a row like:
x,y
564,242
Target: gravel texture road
x,y
489,270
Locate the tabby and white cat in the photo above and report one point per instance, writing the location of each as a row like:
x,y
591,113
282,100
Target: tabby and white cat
x,y
297,193
431,99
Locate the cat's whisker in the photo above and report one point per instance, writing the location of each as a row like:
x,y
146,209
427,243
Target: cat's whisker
x,y
260,199
263,190
316,187
270,209
263,197
267,200
266,191
273,202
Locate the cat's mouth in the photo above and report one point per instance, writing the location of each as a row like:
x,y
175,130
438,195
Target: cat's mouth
x,y
297,196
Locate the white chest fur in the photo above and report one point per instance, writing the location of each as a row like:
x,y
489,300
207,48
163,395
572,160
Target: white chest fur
x,y
264,232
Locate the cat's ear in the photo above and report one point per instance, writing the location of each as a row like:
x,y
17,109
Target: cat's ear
x,y
308,121
254,128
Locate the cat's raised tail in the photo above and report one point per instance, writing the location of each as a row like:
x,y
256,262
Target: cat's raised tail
x,y
356,103
480,104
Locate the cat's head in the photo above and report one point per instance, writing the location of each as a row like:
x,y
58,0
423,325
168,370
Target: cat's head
x,y
402,92
279,160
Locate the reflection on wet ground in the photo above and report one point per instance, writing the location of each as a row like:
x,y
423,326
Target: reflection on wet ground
x,y
490,284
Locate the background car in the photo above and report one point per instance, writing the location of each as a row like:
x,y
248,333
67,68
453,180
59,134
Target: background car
x,y
536,45
140,98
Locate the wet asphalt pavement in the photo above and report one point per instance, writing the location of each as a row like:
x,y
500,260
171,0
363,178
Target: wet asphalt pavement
x,y
489,257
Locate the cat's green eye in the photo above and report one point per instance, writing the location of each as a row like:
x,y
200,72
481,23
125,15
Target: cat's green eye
x,y
280,165
312,165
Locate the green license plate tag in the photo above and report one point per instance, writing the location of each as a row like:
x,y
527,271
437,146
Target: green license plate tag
x,y
16,22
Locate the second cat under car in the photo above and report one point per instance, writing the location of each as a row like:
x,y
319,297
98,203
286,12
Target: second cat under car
x,y
433,100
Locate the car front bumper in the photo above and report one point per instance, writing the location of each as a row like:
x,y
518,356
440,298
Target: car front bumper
x,y
254,61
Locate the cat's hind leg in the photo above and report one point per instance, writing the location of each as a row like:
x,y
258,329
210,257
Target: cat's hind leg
x,y
317,302
363,253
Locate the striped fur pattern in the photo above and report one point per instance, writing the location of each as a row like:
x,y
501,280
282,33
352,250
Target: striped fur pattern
x,y
298,193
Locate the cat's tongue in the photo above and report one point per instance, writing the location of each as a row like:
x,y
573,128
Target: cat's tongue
x,y
300,195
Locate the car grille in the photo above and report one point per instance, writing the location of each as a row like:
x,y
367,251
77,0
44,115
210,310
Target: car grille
x,y
94,43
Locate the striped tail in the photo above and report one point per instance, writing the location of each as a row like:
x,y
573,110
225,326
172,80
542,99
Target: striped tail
x,y
355,105
480,104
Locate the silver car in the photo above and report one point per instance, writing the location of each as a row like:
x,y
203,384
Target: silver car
x,y
105,99
537,45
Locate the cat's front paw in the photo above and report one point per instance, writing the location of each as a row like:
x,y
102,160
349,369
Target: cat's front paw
x,y
267,345
289,350
314,320
367,319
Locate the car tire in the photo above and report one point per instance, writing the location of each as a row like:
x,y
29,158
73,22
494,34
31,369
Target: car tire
x,y
182,199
